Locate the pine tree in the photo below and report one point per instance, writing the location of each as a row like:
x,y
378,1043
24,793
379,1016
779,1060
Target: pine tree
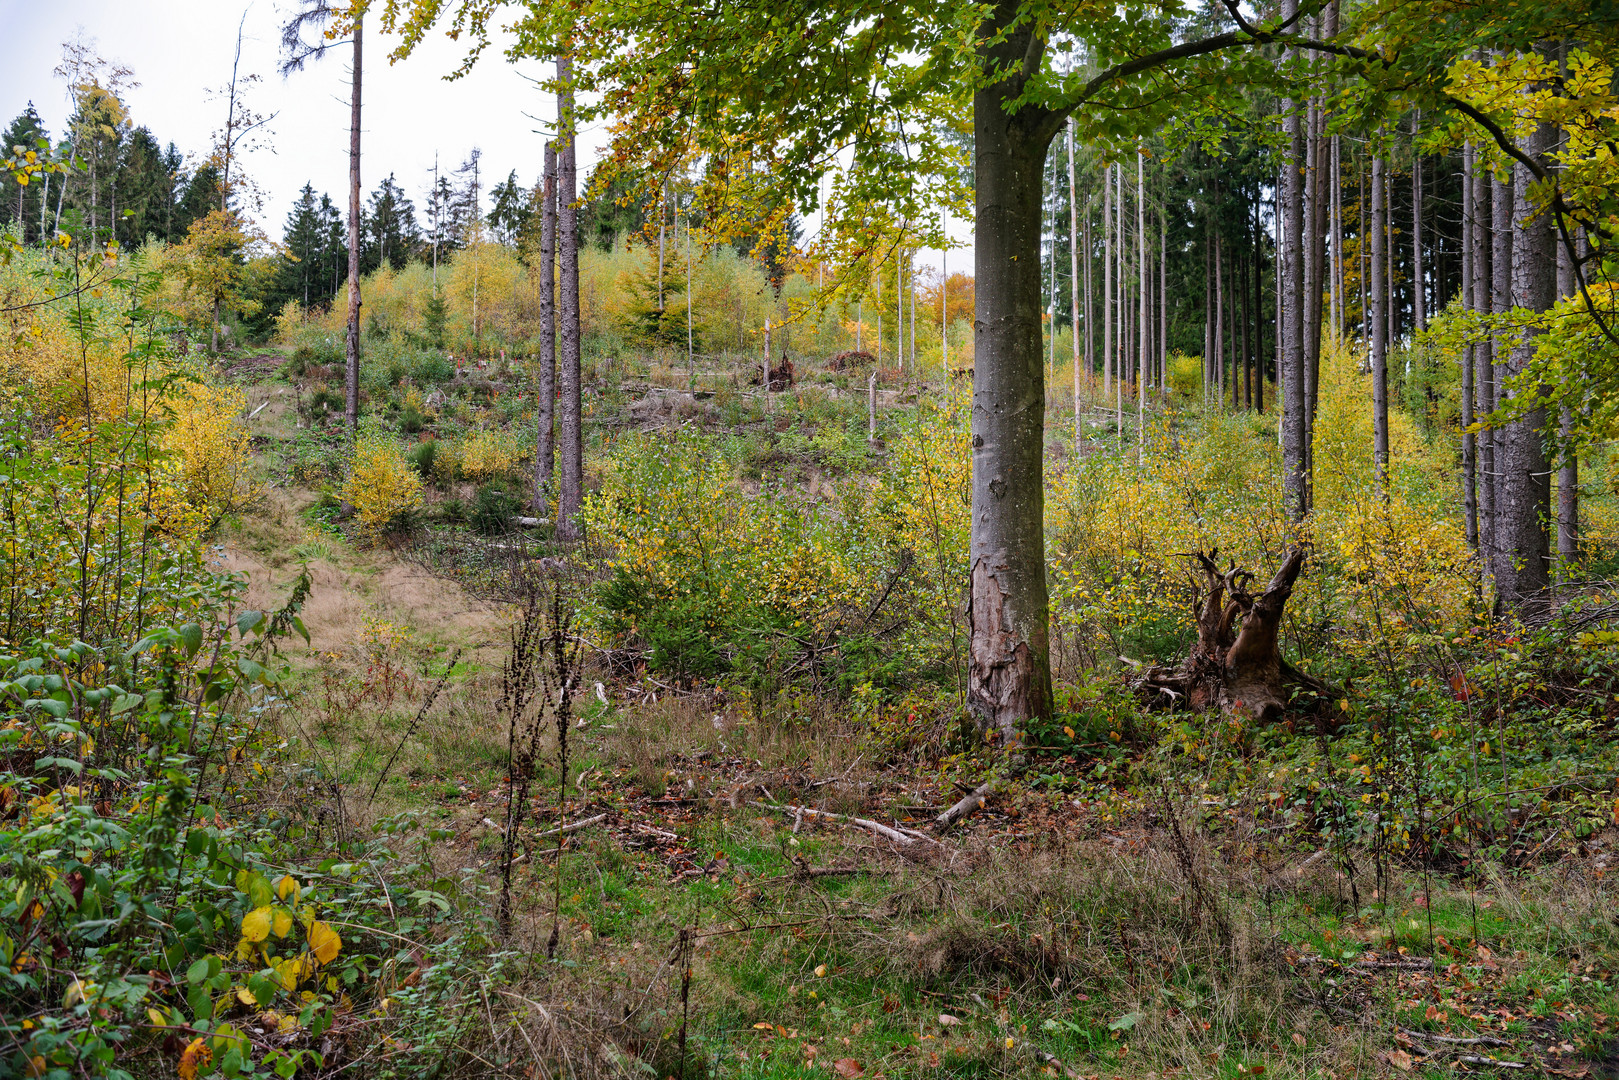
x,y
390,233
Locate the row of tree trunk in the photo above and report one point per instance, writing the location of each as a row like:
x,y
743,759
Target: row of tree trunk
x,y
561,412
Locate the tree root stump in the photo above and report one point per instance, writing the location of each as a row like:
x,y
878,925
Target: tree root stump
x,y
1241,671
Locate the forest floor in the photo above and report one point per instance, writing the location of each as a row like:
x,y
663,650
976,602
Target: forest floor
x,y
1135,932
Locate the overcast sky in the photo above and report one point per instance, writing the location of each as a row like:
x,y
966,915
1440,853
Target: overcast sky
x,y
181,49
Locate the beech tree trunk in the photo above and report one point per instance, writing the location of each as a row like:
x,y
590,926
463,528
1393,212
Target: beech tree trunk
x,y
1484,380
351,367
571,488
1500,347
1009,672
1568,469
1523,560
1240,671
545,448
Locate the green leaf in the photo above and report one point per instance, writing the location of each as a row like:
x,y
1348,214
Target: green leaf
x,y
1125,1022
191,638
198,971
248,620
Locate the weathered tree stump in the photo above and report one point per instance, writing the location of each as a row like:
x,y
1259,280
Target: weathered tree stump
x,y
1241,671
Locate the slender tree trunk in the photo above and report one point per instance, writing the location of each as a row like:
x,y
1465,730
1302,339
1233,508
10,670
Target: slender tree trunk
x,y
1208,314
1501,243
1379,343
545,456
1107,282
1090,310
571,430
1523,556
1469,439
1419,309
1163,301
1073,271
1145,293
351,386
1363,256
1259,315
1484,380
1294,430
1009,674
1568,468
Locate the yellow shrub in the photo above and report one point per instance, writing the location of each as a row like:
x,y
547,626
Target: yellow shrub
x,y
488,453
382,486
207,457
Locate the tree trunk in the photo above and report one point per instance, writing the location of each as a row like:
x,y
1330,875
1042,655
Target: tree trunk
x,y
1500,303
571,488
1107,281
1568,469
1419,310
1469,439
1241,672
545,449
1379,325
351,368
1291,353
1523,559
1073,271
1484,372
1009,674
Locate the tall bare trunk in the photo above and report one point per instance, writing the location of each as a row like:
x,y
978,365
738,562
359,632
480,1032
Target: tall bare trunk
x,y
1145,295
1295,482
1484,369
571,488
1107,281
1568,469
351,387
1379,342
1523,559
1009,675
1469,439
1073,268
1419,309
545,450
1501,242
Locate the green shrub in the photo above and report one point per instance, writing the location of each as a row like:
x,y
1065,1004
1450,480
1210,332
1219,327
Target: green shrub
x,y
422,456
493,510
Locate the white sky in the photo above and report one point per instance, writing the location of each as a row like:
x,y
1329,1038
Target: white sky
x,y
180,49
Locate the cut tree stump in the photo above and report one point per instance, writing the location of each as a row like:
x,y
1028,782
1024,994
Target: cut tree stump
x,y
1241,671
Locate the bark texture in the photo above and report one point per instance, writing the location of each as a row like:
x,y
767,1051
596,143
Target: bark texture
x,y
571,488
1379,343
1240,671
545,448
351,367
1290,286
1009,674
1522,567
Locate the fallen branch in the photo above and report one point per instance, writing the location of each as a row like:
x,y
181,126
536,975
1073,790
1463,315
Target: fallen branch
x,y
661,834
898,836
970,803
1474,1059
572,826
1452,1040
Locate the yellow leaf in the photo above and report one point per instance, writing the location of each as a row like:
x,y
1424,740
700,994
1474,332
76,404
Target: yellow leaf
x,y
286,886
324,942
289,971
156,1018
281,922
245,996
196,1057
820,971
256,924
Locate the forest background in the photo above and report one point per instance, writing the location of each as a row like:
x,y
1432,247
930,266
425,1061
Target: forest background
x,y
256,829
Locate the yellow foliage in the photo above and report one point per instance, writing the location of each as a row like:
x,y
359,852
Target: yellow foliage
x,y
487,453
382,486
207,454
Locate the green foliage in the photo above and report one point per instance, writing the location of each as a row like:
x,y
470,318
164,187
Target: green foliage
x,y
493,509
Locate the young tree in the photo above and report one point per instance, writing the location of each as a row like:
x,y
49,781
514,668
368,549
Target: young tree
x,y
332,24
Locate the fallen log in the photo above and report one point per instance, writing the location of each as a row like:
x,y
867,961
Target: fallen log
x,y
887,832
968,804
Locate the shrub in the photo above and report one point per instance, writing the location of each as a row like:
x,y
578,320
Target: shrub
x,y
422,457
493,510
383,488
